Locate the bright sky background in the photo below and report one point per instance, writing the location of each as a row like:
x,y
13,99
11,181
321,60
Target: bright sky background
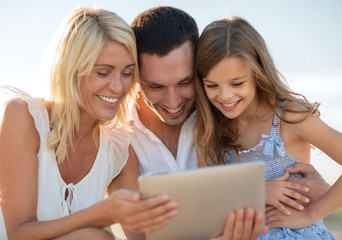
x,y
305,39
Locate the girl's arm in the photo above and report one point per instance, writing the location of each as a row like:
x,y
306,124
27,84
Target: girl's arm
x,y
19,146
314,131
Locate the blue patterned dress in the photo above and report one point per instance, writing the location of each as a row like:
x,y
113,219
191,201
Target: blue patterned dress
x,y
271,151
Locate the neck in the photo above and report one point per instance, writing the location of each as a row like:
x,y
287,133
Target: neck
x,y
168,134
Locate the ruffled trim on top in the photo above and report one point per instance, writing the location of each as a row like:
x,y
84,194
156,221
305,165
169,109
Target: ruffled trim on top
x,y
35,106
116,148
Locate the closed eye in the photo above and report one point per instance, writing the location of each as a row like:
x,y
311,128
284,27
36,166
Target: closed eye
x,y
210,85
185,83
237,84
103,73
155,86
127,74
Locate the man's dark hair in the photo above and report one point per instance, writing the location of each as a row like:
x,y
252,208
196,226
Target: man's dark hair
x,y
160,30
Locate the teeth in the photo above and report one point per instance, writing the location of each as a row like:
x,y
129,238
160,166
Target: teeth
x,y
107,99
174,111
229,104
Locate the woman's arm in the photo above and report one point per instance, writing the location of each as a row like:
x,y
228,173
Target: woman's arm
x,y
139,215
19,146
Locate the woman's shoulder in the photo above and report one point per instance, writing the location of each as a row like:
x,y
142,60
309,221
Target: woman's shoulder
x,y
16,108
18,121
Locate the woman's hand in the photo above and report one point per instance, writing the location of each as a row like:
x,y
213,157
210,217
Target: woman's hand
x,y
141,216
279,191
243,224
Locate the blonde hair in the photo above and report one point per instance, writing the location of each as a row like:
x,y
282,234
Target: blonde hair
x,y
84,35
236,37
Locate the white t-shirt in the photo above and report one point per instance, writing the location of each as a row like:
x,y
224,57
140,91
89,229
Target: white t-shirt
x,y
154,157
111,158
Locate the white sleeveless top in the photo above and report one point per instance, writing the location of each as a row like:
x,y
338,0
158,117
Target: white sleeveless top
x,y
111,158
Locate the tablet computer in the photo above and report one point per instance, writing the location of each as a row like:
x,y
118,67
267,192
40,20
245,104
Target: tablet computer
x,y
205,196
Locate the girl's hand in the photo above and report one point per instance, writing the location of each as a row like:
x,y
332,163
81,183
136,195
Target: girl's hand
x,y
243,224
279,191
297,219
141,216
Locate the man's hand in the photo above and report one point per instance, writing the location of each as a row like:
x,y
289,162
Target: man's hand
x,y
243,224
311,178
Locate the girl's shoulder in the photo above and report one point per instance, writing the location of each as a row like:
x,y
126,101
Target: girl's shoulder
x,y
294,112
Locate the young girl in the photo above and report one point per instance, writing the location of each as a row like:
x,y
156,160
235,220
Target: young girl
x,y
246,113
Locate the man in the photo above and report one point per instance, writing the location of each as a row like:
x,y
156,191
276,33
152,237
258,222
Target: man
x,y
164,119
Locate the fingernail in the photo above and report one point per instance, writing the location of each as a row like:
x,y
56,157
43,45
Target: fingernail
x,y
301,207
306,189
307,200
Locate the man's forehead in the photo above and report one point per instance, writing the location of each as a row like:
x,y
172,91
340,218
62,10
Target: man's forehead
x,y
166,80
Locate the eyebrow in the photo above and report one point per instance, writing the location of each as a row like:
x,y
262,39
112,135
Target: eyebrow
x,y
230,80
112,67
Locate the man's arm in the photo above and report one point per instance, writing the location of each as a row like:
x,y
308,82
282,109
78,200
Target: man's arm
x,y
311,178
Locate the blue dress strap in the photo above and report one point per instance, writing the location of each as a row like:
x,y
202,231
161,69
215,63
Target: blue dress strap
x,y
273,140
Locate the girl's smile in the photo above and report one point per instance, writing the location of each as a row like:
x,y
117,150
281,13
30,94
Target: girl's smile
x,y
231,87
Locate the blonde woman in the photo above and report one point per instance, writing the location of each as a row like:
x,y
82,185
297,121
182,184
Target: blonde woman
x,y
59,157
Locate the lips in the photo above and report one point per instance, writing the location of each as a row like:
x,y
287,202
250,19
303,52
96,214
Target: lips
x,y
230,106
173,113
107,99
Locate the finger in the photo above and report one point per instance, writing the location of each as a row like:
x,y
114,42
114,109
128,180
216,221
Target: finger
x,y
152,219
296,186
156,223
290,195
258,226
292,203
150,203
268,208
157,211
301,168
238,226
284,177
278,205
248,223
272,221
229,227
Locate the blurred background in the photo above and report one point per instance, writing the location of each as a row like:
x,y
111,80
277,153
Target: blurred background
x,y
304,37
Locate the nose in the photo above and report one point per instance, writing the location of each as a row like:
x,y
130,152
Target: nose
x,y
115,83
172,98
226,93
